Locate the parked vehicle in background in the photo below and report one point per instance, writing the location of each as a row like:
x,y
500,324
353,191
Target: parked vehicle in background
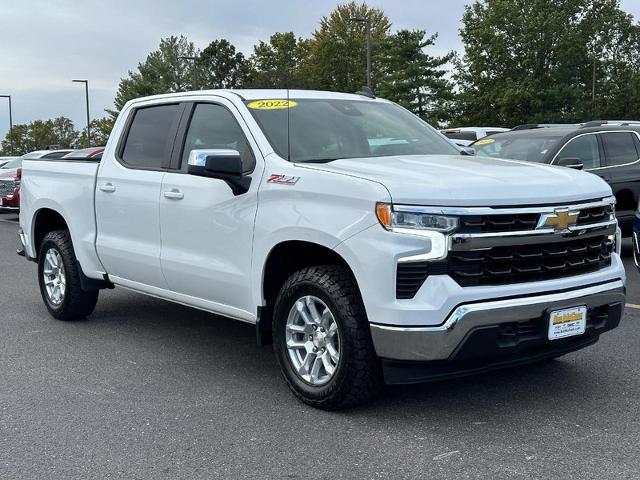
x,y
465,136
610,151
347,230
5,160
91,153
11,173
636,238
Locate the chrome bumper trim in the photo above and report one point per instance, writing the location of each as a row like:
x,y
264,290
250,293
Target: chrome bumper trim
x,y
439,342
470,241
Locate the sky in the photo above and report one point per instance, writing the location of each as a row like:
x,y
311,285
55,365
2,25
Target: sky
x,y
44,44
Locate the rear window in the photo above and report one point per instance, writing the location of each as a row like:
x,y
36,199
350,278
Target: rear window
x,y
149,139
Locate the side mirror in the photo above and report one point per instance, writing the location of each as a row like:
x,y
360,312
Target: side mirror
x,y
224,164
570,162
470,151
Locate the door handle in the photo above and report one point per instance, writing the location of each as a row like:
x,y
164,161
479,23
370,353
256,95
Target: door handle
x,y
174,194
108,188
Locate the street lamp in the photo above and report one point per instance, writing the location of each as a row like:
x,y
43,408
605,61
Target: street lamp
x,y
367,23
86,92
10,122
195,70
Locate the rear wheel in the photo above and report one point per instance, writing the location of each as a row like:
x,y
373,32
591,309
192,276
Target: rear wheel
x,y
59,279
322,340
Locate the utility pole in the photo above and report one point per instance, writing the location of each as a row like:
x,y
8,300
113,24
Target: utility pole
x,y
367,23
86,93
10,122
195,70
593,89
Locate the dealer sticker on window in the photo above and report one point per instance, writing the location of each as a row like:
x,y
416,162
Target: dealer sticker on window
x,y
567,323
271,104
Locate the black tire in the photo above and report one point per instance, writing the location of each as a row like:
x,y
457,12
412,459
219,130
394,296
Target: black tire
x,y
76,303
358,375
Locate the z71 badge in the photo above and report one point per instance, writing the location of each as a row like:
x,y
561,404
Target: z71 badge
x,y
282,179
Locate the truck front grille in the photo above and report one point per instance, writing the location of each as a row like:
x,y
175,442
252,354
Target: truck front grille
x,y
7,187
530,263
507,265
519,222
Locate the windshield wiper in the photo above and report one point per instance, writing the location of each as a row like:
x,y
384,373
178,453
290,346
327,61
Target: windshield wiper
x,y
317,160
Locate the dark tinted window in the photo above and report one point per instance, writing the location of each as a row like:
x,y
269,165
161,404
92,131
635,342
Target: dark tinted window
x,y
584,148
619,148
214,127
56,154
471,136
149,139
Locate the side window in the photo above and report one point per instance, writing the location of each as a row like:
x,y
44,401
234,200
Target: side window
x,y
584,148
213,126
619,148
149,139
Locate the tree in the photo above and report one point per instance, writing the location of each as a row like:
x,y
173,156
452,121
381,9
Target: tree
x,y
163,71
100,131
280,63
337,52
220,66
413,78
532,60
40,134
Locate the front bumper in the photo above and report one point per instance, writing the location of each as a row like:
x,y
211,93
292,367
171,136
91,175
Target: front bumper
x,y
491,328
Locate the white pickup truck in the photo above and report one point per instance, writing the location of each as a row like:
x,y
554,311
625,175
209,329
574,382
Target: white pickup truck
x,y
347,230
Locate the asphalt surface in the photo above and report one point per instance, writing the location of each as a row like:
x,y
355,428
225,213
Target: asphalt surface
x,y
146,389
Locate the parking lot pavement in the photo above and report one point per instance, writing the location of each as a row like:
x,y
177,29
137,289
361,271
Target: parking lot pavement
x,y
149,389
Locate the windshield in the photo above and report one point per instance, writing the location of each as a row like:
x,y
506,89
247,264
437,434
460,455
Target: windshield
x,y
322,130
531,148
15,163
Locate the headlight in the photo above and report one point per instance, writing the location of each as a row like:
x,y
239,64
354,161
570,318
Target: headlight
x,y
397,219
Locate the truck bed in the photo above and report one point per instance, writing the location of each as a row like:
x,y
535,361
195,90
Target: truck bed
x,y
67,187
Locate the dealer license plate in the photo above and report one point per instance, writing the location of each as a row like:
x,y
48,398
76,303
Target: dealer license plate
x,y
567,323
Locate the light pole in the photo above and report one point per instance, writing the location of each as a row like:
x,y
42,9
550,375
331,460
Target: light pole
x,y
195,70
86,92
367,23
10,122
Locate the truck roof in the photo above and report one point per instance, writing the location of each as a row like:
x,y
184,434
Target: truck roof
x,y
259,94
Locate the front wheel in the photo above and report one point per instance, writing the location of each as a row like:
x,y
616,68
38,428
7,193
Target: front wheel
x,y
322,340
59,279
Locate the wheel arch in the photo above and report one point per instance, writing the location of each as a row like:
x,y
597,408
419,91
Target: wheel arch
x,y
284,259
46,220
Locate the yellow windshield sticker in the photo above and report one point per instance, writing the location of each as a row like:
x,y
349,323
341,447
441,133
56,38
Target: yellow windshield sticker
x,y
272,104
485,141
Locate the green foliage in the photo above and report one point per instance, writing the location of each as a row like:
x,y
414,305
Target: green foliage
x,y
532,61
163,71
100,131
280,63
413,78
337,53
40,134
220,66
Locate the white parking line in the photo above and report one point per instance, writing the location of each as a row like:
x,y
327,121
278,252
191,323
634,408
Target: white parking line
x,y
633,305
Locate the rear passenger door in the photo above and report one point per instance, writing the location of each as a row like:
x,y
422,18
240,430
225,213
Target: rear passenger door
x,y
622,154
128,194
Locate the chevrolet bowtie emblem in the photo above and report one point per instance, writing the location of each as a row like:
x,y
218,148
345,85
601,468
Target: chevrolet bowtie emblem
x,y
560,220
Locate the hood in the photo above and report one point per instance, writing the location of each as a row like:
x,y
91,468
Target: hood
x,y
467,181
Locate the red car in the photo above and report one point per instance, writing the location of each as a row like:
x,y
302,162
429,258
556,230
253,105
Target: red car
x,y
11,173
